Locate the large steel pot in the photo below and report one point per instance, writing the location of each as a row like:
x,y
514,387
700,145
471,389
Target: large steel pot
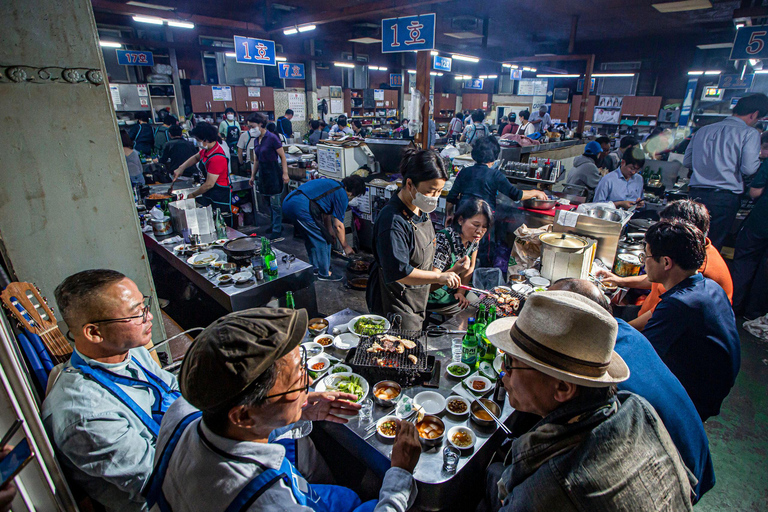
x,y
604,213
564,255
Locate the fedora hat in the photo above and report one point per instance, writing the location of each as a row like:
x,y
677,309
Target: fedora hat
x,y
564,335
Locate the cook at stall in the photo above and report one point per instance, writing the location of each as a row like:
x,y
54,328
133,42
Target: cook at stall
x,y
216,190
318,208
624,186
229,128
404,243
246,141
272,168
177,151
541,120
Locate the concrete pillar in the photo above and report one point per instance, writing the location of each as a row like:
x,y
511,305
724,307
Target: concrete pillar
x,y
65,203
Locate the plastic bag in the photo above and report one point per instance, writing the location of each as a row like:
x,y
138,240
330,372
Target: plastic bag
x,y
526,249
450,151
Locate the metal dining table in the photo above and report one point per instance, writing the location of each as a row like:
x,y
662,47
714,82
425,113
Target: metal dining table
x,y
295,276
437,489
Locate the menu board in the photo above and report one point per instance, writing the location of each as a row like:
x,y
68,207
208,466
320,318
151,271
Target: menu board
x,y
532,87
221,93
329,160
297,103
337,106
254,92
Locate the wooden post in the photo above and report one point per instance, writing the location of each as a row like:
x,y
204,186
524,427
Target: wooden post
x,y
422,85
585,93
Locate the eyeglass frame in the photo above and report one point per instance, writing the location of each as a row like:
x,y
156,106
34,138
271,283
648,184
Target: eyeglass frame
x,y
303,368
144,314
505,367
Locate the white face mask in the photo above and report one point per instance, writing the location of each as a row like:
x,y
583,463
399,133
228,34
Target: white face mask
x,y
255,132
231,117
425,203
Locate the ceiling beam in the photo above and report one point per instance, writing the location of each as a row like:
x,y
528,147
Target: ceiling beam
x,y
363,9
210,21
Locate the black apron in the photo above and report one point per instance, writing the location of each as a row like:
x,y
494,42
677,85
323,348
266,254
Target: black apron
x,y
318,214
233,134
220,196
270,175
410,302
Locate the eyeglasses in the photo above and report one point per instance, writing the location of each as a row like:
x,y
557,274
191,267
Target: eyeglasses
x,y
508,361
305,377
143,315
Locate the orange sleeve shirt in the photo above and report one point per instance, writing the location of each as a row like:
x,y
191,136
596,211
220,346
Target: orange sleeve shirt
x,y
714,268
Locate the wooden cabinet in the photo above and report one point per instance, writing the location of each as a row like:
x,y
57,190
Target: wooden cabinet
x,y
641,106
201,97
445,106
264,102
576,106
651,106
560,111
391,97
475,101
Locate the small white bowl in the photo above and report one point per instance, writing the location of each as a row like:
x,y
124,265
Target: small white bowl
x,y
459,398
346,341
462,365
379,432
313,349
242,277
340,368
431,402
318,359
539,281
458,428
469,380
324,336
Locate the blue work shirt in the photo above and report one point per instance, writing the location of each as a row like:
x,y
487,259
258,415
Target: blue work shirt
x,y
693,330
296,204
615,187
101,443
482,182
650,378
720,154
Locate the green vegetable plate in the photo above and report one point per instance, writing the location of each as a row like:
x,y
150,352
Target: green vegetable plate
x,y
346,382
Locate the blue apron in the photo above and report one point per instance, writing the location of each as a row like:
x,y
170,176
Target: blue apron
x,y
220,196
163,394
321,498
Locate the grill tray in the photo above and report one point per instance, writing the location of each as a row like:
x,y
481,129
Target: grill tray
x,y
500,313
398,367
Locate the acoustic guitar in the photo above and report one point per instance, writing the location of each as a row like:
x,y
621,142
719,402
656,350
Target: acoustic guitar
x,y
31,310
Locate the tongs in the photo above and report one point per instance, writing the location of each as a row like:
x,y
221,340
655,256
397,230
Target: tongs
x,y
170,189
476,290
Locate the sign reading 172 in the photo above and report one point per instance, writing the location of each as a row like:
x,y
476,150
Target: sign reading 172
x,y
131,58
408,34
750,43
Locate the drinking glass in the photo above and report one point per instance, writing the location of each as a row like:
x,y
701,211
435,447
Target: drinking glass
x,y
451,456
365,415
456,349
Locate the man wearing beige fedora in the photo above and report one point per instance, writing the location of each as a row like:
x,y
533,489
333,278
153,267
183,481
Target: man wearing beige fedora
x,y
593,449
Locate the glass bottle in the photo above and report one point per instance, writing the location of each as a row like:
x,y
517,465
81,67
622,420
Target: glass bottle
x,y
270,261
469,346
289,302
489,351
221,227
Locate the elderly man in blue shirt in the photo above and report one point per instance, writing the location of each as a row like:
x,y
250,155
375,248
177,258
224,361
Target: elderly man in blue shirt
x,y
693,329
720,155
624,186
103,412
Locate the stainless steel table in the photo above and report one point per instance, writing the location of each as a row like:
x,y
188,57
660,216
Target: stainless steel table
x,y
437,490
299,279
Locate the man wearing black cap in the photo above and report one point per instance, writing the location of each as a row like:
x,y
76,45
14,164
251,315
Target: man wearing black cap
x,y
592,450
247,374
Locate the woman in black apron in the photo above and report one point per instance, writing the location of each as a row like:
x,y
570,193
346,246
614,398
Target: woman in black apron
x,y
272,167
404,247
216,190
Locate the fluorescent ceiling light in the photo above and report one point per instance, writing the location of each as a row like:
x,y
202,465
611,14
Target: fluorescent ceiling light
x,y
556,76
412,71
151,6
714,46
377,68
753,62
281,59
466,58
291,31
180,24
761,72
695,73
684,5
307,28
712,72
365,40
230,54
612,75
344,64
505,65
483,77
463,35
433,53
434,73
466,77
145,19
110,44
458,77
739,25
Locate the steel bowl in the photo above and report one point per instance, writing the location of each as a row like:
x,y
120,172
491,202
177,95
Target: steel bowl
x,y
389,384
429,443
539,204
491,405
318,321
604,214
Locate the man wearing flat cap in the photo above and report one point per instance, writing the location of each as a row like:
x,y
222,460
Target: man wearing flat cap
x,y
593,449
244,384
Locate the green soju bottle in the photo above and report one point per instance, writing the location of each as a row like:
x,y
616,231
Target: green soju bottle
x,y
270,261
289,303
490,351
469,346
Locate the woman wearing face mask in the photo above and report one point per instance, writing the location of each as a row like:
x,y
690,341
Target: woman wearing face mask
x,y
456,251
404,248
245,144
271,165
216,190
229,128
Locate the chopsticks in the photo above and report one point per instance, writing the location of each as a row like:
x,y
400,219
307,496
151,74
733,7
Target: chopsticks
x,y
501,425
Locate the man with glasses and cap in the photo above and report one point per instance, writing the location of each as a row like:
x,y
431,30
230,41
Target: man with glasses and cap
x,y
103,413
593,449
245,388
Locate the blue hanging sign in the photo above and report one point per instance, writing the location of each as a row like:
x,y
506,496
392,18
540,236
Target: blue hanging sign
x,y
254,51
735,81
291,70
395,80
580,85
750,43
475,83
441,63
690,93
515,74
411,33
130,58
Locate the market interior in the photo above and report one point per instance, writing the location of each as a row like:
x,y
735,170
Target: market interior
x,y
384,255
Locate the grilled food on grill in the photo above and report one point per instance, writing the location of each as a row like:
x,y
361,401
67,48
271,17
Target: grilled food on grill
x,y
412,358
390,343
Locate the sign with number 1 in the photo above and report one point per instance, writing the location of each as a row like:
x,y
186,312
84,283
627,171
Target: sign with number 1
x,y
750,43
411,33
254,51
129,58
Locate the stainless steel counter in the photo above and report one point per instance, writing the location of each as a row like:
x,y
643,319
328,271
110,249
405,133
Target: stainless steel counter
x,y
438,490
299,279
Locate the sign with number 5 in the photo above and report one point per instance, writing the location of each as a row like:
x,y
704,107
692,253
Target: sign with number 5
x,y
750,43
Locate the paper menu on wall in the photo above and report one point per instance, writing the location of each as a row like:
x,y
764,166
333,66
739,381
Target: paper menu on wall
x,y
221,93
297,103
142,89
115,92
254,92
378,94
337,106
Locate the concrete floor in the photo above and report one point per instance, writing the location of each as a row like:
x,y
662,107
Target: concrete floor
x,y
738,437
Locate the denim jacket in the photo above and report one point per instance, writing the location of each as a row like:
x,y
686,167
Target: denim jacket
x,y
596,457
